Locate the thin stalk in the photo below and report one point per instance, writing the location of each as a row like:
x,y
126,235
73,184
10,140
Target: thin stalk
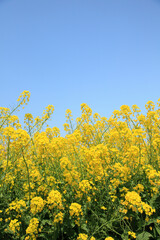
x,y
28,177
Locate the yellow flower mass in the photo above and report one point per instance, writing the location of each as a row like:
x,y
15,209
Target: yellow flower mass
x,y
37,205
100,181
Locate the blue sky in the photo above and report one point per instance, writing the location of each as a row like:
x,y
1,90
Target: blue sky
x,y
105,53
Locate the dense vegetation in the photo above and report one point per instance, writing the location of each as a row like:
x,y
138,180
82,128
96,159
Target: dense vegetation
x,y
101,181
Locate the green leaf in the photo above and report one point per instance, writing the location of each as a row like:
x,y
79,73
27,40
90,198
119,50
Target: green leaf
x,y
157,229
124,236
144,235
103,220
42,235
84,227
44,222
150,222
72,224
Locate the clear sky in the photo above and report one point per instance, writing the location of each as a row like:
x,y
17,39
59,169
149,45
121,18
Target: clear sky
x,y
105,53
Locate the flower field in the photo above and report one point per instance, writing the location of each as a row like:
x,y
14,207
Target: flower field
x,y
99,182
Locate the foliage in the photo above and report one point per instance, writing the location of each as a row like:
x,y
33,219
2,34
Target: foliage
x,y
101,181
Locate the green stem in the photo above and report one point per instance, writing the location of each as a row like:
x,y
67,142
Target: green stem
x,y
28,177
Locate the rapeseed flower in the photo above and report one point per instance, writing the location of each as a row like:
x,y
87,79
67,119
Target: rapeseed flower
x,y
54,199
37,205
14,226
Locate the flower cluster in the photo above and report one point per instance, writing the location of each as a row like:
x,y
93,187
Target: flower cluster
x,y
54,199
37,205
100,181
14,226
32,230
75,211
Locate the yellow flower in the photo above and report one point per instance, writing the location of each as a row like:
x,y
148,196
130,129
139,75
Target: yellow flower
x,y
25,95
17,206
92,238
54,199
82,236
75,209
68,114
32,229
132,234
148,209
85,186
109,238
14,225
58,218
103,208
37,205
66,127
